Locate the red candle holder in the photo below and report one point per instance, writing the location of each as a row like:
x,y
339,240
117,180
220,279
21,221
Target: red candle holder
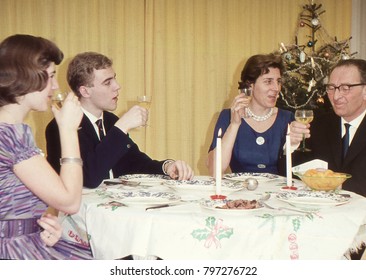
x,y
218,197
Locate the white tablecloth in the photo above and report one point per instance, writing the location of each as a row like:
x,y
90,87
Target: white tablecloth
x,y
188,231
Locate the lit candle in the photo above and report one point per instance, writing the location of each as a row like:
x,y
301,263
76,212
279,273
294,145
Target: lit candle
x,y
288,158
218,163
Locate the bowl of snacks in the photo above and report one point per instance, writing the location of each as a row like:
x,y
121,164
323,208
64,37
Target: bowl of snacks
x,y
322,179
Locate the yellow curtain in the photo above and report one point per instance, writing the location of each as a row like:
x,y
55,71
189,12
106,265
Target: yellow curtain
x,y
186,54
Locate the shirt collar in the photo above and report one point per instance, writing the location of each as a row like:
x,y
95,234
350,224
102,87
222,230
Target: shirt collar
x,y
356,122
90,116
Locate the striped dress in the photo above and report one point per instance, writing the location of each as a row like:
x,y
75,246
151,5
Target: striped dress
x,y
20,208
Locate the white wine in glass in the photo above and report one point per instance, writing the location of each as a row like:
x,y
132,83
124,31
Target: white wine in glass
x,y
144,101
305,117
58,99
248,94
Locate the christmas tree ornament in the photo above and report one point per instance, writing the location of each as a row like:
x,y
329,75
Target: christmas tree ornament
x,y
302,24
320,100
315,22
310,44
288,56
302,56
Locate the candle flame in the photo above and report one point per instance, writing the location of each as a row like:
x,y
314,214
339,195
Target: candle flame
x,y
219,133
288,129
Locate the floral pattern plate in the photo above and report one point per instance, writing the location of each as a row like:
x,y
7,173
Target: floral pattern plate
x,y
142,198
315,199
214,205
145,179
260,177
207,185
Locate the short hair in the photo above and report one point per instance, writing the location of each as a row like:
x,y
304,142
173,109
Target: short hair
x,y
258,65
80,71
360,64
24,60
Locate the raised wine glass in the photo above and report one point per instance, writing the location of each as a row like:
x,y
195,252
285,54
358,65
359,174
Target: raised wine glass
x,y
247,92
58,98
305,117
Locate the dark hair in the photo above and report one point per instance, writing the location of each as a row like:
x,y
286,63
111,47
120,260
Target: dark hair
x,y
80,71
258,65
24,60
359,63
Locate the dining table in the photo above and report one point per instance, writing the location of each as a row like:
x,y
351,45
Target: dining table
x,y
155,217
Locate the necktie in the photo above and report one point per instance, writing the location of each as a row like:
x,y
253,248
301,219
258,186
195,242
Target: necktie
x,y
345,140
100,129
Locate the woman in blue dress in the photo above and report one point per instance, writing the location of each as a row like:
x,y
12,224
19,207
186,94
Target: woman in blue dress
x,y
253,129
27,182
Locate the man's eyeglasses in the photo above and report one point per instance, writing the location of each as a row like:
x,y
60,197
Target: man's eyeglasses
x,y
343,88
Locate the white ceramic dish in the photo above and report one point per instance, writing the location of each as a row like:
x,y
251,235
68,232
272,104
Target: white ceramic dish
x,y
143,198
198,185
312,199
214,205
145,179
260,177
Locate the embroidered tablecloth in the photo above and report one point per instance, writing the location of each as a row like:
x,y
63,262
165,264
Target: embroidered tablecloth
x,y
188,231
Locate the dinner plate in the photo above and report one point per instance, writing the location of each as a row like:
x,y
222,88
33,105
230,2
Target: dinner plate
x,y
145,179
143,198
260,177
312,199
198,185
213,205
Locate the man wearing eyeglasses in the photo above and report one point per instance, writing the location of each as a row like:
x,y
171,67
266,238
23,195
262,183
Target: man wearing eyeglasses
x,y
339,137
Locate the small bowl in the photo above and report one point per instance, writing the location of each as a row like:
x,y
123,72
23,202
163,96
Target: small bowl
x,y
323,180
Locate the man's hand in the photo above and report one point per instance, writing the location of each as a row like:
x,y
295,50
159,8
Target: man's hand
x,y
135,117
297,131
179,170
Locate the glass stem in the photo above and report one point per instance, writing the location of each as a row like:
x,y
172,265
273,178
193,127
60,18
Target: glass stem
x,y
303,141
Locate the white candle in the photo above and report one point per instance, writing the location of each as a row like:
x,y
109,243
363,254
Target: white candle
x,y
288,158
312,62
283,47
218,173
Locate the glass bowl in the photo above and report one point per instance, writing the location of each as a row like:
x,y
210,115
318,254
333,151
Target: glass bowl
x,y
323,179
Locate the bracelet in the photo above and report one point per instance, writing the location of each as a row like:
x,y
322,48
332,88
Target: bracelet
x,y
71,160
168,161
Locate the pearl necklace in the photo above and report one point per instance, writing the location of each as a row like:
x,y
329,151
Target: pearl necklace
x,y
259,118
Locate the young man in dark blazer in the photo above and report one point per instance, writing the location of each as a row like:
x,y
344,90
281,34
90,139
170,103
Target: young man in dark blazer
x,y
346,90
106,149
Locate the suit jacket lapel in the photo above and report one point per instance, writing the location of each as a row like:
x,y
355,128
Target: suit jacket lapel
x,y
358,143
87,127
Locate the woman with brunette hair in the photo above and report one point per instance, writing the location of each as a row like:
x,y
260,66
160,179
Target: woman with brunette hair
x,y
253,129
27,182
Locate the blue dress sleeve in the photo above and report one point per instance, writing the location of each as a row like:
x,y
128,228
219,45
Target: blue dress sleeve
x,y
223,122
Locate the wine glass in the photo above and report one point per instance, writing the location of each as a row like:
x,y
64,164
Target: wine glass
x,y
247,91
58,98
144,101
305,117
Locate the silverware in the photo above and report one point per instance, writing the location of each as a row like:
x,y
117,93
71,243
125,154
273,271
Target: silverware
x,y
156,207
285,208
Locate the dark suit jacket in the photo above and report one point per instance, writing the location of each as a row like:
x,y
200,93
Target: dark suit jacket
x,y
326,144
117,152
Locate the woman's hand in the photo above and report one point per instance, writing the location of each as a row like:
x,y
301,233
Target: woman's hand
x,y
238,106
52,229
69,116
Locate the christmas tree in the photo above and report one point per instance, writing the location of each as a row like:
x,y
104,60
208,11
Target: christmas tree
x,y
307,66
